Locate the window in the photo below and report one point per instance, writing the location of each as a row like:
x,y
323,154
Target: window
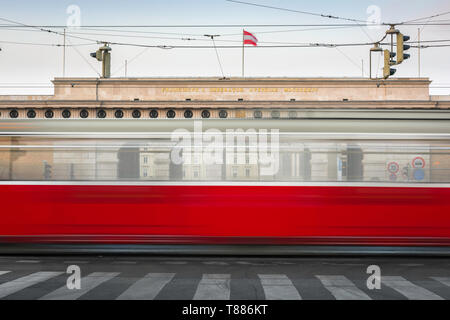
x,y
118,114
145,160
145,173
136,114
84,113
235,172
206,114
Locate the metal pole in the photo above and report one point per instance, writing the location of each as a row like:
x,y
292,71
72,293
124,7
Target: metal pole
x,y
362,67
126,68
370,64
64,55
418,47
242,53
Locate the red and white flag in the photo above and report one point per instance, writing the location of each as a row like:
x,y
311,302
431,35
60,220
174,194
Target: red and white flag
x,y
250,38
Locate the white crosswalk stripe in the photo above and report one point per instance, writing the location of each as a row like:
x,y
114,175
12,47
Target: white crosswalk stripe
x,y
278,287
443,280
148,287
408,289
4,272
14,286
88,283
213,287
342,288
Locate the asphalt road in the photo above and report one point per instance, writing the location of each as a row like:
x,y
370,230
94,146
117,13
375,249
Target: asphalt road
x,y
203,278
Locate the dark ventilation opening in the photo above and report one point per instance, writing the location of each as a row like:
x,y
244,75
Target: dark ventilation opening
x,y
206,114
84,113
153,114
66,113
188,114
257,114
170,114
49,114
223,114
118,114
31,113
101,114
136,114
14,113
275,114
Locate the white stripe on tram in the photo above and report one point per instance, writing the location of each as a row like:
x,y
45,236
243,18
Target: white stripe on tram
x,y
14,286
342,288
4,272
231,183
278,287
148,287
87,284
443,280
213,287
409,289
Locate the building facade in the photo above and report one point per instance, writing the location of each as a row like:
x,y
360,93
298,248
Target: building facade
x,y
168,99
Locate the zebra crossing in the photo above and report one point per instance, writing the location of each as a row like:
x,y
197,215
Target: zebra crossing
x,y
214,286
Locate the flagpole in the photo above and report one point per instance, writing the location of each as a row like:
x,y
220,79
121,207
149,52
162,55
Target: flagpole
x,y
242,53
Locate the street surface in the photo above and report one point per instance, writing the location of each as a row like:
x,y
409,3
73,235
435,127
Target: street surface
x,y
203,278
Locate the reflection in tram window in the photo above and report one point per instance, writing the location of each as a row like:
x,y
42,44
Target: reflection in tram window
x,y
299,160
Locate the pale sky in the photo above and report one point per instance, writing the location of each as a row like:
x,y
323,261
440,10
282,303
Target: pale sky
x,y
28,69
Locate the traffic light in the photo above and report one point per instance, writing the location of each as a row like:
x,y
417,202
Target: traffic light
x,y
103,54
401,47
388,62
47,171
97,55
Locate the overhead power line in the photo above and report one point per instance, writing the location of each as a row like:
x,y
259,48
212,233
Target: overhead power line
x,y
329,16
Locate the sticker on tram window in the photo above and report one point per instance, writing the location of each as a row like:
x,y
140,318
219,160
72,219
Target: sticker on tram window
x,y
393,167
393,177
418,162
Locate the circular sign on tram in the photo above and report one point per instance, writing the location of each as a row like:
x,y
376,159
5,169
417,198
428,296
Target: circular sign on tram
x,y
418,162
393,167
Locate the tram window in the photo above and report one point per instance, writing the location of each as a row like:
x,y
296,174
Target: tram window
x,y
14,113
223,114
257,114
101,114
170,114
84,113
136,114
206,114
118,114
153,114
48,114
66,113
31,113
188,114
247,172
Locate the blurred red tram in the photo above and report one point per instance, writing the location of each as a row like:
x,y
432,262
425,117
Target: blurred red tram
x,y
333,187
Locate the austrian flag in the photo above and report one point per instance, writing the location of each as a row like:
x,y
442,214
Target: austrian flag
x,y
250,38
